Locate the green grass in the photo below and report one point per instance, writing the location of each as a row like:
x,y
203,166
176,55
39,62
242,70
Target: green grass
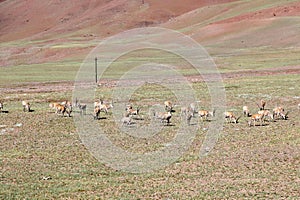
x,y
247,162
46,72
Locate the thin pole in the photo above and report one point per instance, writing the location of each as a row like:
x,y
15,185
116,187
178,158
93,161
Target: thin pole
x,y
96,70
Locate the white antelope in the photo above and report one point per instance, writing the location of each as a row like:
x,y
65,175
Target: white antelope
x,y
26,106
204,114
256,117
230,117
246,111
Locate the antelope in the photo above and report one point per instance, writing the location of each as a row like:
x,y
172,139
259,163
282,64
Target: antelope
x,y
163,116
204,114
230,117
168,105
246,111
68,108
106,107
279,113
96,112
26,106
131,111
256,117
262,104
1,106
53,105
98,103
82,107
103,106
266,113
60,109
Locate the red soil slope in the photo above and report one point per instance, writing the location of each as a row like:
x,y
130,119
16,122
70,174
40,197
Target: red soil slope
x,y
48,23
20,19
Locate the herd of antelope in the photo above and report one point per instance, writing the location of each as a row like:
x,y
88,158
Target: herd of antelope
x,y
189,111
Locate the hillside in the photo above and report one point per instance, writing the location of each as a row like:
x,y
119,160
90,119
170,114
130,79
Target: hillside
x,y
34,32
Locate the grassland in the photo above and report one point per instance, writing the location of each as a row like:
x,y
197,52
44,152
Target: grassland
x,y
44,157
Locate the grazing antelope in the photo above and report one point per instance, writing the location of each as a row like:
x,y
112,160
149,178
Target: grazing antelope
x,y
262,104
278,112
82,107
230,117
1,106
53,105
204,114
246,111
97,112
168,105
26,106
60,109
256,117
163,116
266,113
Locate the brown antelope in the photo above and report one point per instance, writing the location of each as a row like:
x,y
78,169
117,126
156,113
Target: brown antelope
x,y
168,105
246,111
68,107
131,111
266,113
230,117
256,117
26,106
204,114
60,109
53,105
262,104
163,116
278,112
